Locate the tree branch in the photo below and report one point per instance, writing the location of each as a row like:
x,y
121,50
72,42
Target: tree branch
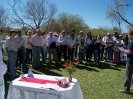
x,y
125,20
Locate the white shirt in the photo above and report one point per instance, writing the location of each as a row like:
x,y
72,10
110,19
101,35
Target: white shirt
x,y
71,42
44,41
63,39
11,44
27,39
57,42
20,41
81,36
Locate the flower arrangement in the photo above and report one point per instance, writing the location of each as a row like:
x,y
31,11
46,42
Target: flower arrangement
x,y
70,67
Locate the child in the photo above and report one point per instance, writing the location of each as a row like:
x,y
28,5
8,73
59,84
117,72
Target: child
x,y
81,49
3,69
95,51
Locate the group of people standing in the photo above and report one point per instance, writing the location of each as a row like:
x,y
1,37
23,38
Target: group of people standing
x,y
69,47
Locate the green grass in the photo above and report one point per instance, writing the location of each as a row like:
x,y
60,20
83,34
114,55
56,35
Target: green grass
x,y
96,82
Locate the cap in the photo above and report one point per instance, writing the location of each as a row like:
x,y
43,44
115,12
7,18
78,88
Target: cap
x,y
55,34
81,32
108,34
12,31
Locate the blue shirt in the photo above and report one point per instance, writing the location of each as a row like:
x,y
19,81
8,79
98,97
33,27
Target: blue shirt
x,y
49,40
130,56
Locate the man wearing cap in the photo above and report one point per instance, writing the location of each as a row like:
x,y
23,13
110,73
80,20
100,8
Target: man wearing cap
x,y
75,38
63,45
51,47
81,35
20,45
108,41
11,48
36,42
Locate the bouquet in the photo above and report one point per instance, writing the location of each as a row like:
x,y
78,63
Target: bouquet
x,y
70,67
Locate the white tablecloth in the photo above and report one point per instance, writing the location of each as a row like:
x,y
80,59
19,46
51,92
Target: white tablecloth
x,y
26,90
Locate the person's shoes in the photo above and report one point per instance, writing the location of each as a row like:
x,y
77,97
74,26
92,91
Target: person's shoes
x,y
50,63
36,68
97,64
58,63
111,61
104,60
124,91
80,62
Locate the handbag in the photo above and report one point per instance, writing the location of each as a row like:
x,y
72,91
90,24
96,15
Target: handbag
x,y
52,45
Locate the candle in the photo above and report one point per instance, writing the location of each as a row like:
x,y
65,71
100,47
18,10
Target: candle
x,y
21,71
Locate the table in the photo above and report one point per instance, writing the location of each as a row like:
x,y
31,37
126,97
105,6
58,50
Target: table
x,y
27,90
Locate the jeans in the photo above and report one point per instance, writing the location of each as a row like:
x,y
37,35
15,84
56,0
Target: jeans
x,y
36,56
42,53
89,51
58,52
12,62
70,54
63,48
81,56
52,51
129,77
95,52
28,52
20,56
109,51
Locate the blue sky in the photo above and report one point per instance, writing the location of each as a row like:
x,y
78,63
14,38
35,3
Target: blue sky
x,y
92,11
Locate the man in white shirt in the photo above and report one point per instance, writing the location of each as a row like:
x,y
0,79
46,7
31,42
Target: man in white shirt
x,y
108,41
57,45
75,38
81,35
51,47
20,45
63,45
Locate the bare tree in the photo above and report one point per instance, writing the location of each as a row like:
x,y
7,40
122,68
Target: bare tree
x,y
3,18
116,11
34,14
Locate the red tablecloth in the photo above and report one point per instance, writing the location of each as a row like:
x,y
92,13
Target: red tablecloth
x,y
39,81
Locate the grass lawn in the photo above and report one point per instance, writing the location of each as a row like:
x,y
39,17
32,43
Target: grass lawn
x,y
96,81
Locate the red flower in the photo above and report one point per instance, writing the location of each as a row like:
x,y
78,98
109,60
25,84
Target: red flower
x,y
77,61
70,67
71,63
66,64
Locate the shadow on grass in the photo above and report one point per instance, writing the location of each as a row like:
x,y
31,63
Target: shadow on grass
x,y
101,65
